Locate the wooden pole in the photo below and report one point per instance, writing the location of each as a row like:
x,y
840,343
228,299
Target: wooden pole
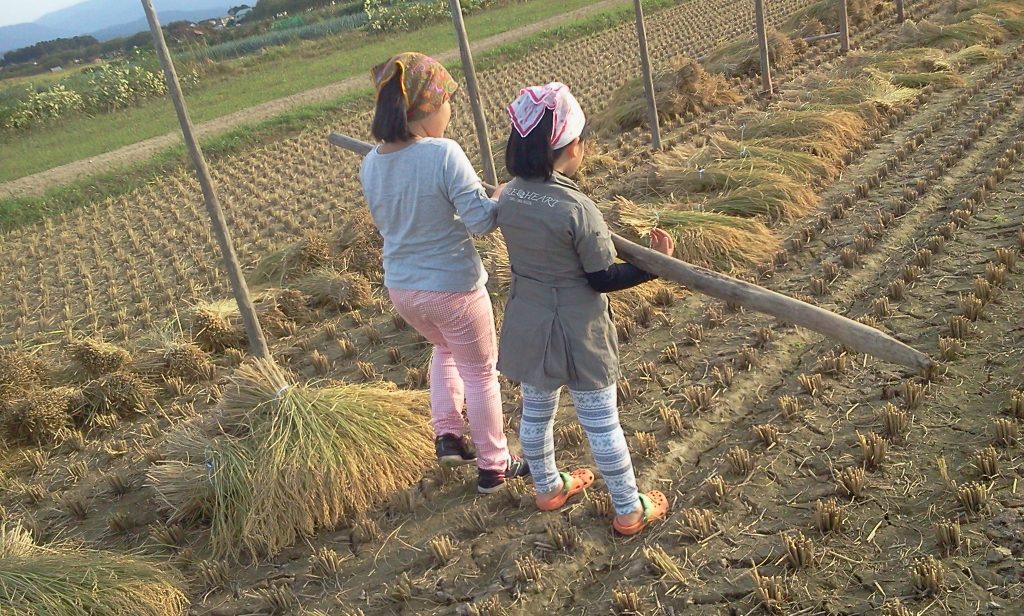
x,y
852,334
645,66
901,12
844,27
257,342
762,41
473,88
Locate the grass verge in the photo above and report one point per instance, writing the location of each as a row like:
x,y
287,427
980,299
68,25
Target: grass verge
x,y
19,211
238,85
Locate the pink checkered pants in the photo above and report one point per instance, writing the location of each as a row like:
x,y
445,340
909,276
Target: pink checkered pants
x,y
462,368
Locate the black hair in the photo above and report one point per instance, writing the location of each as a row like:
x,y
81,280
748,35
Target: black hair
x,y
391,119
532,157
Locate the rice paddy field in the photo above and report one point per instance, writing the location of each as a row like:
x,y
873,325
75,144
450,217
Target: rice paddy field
x,y
148,466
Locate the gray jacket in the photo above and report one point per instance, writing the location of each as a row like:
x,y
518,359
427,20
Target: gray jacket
x,y
557,330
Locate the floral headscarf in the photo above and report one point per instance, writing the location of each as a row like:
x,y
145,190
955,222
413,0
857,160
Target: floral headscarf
x,y
528,110
426,83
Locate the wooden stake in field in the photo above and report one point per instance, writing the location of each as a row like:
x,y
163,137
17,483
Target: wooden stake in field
x,y
473,89
648,76
854,335
257,342
844,27
901,12
762,42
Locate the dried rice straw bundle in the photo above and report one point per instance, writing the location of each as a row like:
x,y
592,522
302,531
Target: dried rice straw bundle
x,y
279,461
685,88
42,415
876,90
64,581
299,257
978,28
96,357
793,163
121,393
763,192
215,327
709,239
494,255
1009,14
328,287
173,359
20,372
742,57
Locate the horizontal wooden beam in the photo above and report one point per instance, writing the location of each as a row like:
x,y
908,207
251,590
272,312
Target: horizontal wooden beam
x,y
852,334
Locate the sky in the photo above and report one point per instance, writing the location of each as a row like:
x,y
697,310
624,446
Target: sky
x,y
20,11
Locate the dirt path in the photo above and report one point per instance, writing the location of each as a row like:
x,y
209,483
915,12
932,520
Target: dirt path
x,y
38,183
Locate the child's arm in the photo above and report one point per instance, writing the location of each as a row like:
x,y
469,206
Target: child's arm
x,y
478,212
618,277
593,242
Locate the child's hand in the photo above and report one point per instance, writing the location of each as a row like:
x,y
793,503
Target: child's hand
x,y
496,192
662,242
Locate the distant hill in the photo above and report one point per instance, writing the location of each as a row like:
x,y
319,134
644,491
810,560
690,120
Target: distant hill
x,y
23,35
106,19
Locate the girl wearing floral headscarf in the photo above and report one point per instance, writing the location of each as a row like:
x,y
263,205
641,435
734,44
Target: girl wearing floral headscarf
x,y
427,202
558,329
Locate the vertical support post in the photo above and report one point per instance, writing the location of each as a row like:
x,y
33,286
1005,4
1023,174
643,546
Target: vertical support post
x,y
844,27
901,12
473,88
645,65
762,41
257,342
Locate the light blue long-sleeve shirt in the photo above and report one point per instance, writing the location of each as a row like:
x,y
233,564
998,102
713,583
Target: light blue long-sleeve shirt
x,y
427,203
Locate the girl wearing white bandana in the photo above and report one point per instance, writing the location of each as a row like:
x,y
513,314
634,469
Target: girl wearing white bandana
x,y
558,329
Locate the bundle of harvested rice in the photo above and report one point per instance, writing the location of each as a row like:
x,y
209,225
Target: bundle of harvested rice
x,y
39,418
780,196
328,287
796,164
300,257
292,303
214,326
742,57
121,393
684,88
279,460
20,372
978,28
66,581
780,200
174,359
709,239
494,254
876,90
844,127
825,134
96,357
827,13
1009,14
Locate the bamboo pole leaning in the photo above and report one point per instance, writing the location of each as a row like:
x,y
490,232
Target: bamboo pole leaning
x,y
257,341
844,27
473,89
648,76
762,44
855,336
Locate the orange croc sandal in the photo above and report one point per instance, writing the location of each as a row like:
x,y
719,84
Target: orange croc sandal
x,y
572,484
655,506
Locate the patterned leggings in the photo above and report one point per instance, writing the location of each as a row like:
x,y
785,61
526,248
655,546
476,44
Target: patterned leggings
x,y
599,417
462,368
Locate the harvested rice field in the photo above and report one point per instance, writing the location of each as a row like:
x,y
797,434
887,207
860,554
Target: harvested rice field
x,y
149,466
